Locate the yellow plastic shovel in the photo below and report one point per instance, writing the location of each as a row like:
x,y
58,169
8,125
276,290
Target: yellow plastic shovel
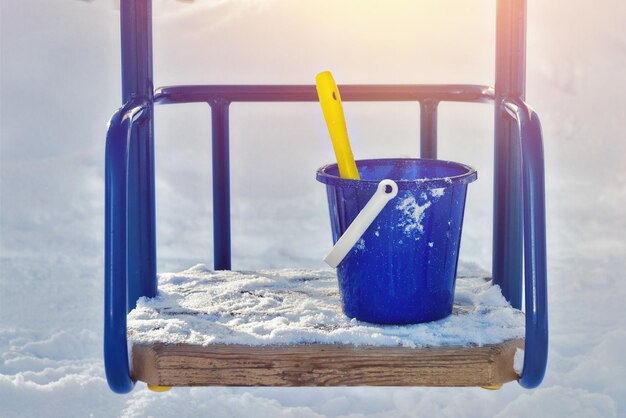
x,y
330,100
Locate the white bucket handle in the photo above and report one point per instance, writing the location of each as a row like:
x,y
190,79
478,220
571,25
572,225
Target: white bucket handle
x,y
387,190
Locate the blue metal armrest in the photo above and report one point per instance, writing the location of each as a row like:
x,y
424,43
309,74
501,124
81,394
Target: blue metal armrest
x,y
534,220
116,284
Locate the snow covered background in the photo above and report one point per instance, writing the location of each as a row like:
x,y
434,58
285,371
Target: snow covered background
x,y
60,82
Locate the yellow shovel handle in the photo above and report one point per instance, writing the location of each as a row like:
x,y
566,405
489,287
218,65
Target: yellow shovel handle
x,y
330,100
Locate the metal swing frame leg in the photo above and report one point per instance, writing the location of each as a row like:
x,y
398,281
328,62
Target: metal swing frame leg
x,y
130,237
519,191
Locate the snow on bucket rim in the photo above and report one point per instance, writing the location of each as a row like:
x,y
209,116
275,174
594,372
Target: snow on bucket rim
x,y
464,174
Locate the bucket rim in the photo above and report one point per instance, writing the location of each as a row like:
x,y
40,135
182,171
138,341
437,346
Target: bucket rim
x,y
467,177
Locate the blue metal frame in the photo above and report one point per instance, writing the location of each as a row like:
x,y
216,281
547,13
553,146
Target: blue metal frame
x,y
117,280
534,220
220,98
130,245
137,85
507,187
130,237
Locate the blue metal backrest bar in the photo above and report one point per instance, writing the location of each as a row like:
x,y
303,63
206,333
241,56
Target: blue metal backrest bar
x,y
307,93
219,98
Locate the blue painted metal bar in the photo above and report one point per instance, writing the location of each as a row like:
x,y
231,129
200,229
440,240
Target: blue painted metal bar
x,y
507,200
116,278
428,128
535,268
136,37
221,185
307,93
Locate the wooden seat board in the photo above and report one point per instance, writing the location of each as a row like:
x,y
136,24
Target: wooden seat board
x,y
192,335
324,365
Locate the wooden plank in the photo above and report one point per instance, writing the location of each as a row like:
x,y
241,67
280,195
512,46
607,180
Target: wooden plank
x,y
324,365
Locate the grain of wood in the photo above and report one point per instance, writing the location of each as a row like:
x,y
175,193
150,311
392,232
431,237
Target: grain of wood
x,y
323,365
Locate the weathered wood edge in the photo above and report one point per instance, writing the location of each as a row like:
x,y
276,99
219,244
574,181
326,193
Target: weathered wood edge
x,y
323,365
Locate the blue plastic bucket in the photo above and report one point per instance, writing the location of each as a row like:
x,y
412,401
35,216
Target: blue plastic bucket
x,y
403,269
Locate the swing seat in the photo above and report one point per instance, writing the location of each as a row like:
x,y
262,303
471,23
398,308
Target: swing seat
x,y
286,328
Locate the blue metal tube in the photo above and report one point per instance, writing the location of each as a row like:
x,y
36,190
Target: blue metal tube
x,y
136,37
428,128
535,264
130,244
221,185
307,93
116,277
507,201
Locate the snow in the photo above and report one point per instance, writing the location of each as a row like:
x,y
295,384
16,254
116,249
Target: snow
x,y
60,82
291,306
518,360
438,192
558,401
413,214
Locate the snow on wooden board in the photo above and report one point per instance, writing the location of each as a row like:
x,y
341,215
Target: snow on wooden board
x,y
294,306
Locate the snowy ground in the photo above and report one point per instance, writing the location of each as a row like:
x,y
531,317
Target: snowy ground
x,y
59,73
